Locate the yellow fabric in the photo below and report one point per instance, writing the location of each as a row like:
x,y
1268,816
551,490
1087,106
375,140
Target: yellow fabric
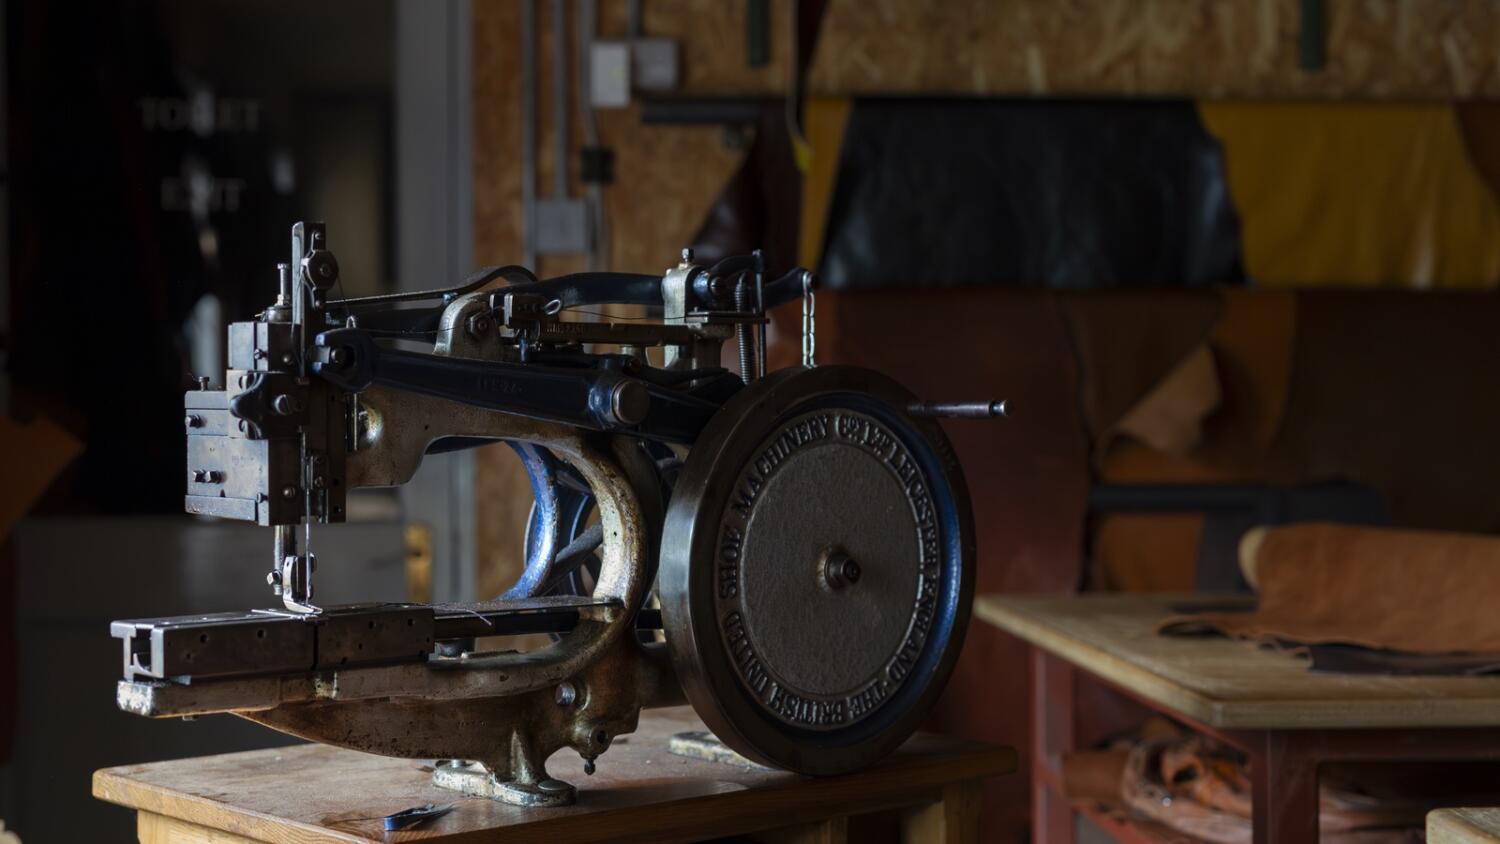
x,y
826,119
1352,194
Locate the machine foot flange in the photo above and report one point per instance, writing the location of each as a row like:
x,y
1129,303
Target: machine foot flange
x,y
475,780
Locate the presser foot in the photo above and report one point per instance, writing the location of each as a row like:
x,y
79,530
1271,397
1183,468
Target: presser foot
x,y
473,779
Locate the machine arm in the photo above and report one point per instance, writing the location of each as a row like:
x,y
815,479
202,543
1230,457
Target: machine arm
x,y
598,399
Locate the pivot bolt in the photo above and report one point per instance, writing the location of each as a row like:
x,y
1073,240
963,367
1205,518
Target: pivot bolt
x,y
567,694
289,492
285,404
840,570
629,402
193,420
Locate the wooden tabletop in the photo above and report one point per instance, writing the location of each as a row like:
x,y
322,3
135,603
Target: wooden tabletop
x,y
1463,826
641,792
1229,684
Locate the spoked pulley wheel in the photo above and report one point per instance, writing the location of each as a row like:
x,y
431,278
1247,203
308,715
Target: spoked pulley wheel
x,y
817,569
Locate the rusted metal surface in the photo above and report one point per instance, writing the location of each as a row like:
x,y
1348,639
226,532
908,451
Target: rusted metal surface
x,y
511,735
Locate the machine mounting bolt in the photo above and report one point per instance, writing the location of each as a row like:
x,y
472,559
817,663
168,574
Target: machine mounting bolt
x,y
193,420
288,492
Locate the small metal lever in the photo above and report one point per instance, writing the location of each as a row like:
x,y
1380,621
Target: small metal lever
x,y
959,409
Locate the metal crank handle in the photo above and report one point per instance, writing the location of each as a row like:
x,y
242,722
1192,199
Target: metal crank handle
x,y
959,409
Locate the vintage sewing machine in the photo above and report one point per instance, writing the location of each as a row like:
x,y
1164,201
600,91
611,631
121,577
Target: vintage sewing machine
x,y
791,550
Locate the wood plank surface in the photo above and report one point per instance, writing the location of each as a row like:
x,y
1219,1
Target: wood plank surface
x,y
1463,826
314,793
1229,684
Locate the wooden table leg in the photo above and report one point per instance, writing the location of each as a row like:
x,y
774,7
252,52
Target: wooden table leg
x,y
1052,735
151,828
1284,799
831,831
952,820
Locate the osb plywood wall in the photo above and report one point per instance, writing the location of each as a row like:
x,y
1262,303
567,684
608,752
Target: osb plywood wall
x,y
1197,48
665,179
667,176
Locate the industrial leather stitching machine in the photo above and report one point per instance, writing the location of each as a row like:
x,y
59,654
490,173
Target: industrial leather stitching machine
x,y
791,552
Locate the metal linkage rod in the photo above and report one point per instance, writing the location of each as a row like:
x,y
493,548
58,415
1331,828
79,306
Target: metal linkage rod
x,y
959,409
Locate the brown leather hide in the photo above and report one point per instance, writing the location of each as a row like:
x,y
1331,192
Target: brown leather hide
x,y
1404,590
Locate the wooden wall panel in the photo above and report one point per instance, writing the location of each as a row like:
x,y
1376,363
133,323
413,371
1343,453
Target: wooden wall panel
x,y
503,497
666,176
1421,49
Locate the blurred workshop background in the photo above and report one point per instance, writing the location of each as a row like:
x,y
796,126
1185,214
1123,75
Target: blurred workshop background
x,y
1233,263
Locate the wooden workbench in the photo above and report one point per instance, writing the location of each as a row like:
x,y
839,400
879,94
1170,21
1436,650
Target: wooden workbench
x,y
1286,719
1463,826
641,792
